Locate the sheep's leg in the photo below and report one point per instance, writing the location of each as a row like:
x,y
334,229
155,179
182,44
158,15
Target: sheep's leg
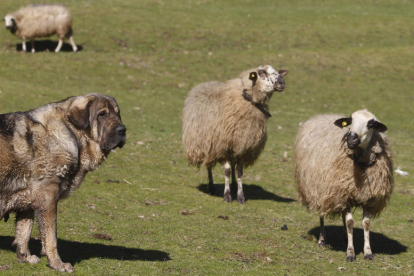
x,y
367,247
24,45
227,172
210,181
233,175
24,226
72,42
59,45
33,48
240,194
349,222
322,234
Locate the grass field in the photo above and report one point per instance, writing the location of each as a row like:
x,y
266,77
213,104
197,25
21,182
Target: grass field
x,y
341,56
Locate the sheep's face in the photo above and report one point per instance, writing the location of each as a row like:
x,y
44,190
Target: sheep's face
x,y
10,22
267,79
361,125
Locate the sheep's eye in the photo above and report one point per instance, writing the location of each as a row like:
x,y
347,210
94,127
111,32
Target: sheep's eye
x,y
101,115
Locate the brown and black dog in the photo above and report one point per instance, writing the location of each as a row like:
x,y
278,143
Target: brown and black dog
x,y
45,154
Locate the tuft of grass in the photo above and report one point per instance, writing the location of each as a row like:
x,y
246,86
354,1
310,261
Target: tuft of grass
x,y
341,56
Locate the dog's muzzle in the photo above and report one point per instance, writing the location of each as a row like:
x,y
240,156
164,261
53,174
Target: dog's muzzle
x,y
121,131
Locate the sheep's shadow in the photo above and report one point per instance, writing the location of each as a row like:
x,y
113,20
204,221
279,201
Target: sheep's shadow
x,y
251,192
75,252
47,45
336,238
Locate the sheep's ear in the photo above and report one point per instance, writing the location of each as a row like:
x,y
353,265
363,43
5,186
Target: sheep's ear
x,y
262,73
376,125
283,73
253,76
343,122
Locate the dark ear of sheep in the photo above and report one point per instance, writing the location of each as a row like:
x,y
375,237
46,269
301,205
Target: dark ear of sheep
x,y
343,122
283,73
262,73
376,125
253,77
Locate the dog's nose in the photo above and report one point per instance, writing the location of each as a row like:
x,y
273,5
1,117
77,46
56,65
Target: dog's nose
x,y
121,129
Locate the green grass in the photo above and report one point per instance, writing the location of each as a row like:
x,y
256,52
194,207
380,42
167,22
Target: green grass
x,y
341,56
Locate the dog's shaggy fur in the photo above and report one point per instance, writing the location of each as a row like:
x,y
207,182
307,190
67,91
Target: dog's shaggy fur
x,y
46,153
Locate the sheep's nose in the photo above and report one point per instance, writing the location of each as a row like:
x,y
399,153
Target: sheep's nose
x,y
279,86
353,140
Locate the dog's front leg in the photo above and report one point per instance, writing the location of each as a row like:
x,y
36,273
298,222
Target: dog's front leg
x,y
46,216
24,226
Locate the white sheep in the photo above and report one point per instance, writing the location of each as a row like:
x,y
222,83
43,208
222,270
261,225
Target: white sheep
x,y
40,21
226,123
342,163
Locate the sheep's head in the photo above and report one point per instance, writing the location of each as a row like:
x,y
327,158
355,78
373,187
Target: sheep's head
x,y
361,125
10,22
266,79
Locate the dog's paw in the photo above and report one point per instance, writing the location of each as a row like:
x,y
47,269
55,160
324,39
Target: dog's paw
x,y
33,259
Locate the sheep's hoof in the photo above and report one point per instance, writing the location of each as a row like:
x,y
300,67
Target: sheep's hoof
x,y
350,258
369,257
241,200
227,197
211,189
323,244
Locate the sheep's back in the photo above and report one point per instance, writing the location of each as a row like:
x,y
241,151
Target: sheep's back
x,y
220,125
202,115
43,20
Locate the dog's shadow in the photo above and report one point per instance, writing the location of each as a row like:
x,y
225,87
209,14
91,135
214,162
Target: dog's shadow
x,y
336,238
47,45
251,192
75,252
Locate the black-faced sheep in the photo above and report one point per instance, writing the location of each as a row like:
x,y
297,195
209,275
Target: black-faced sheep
x,y
342,163
226,123
40,21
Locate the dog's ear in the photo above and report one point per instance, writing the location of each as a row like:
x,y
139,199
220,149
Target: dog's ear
x,y
78,112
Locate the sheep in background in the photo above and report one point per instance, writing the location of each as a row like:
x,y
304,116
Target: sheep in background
x,y
40,21
343,163
226,123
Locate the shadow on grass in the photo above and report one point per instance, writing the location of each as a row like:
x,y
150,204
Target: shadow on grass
x,y
75,252
335,237
251,192
47,45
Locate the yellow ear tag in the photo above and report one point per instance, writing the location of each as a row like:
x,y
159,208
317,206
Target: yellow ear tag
x,y
252,75
344,124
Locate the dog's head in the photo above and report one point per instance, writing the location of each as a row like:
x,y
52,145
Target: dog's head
x,y
100,118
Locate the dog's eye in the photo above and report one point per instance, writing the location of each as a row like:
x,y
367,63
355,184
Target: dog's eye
x,y
101,114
